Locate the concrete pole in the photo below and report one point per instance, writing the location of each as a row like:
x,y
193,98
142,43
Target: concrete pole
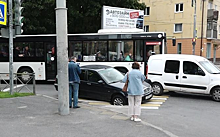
x,y
194,28
62,57
11,47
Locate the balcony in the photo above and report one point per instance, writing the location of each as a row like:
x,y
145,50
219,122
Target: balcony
x,y
211,32
212,14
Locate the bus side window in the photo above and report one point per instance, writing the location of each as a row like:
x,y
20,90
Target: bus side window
x,y
39,49
4,51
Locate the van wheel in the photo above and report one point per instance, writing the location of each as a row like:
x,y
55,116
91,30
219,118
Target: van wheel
x,y
216,94
157,89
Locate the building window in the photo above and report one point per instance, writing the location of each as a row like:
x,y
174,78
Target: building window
x,y
208,50
209,25
179,7
214,26
210,4
178,27
219,29
146,28
179,48
147,11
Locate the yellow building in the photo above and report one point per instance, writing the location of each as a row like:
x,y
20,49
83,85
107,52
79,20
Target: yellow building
x,y
176,18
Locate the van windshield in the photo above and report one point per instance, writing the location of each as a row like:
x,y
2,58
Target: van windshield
x,y
210,67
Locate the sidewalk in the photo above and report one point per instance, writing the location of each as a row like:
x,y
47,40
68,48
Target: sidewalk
x,y
37,116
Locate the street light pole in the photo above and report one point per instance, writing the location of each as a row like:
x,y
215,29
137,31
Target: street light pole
x,y
194,27
202,27
62,57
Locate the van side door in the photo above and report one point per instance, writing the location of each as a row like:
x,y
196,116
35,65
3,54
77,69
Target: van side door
x,y
171,75
193,78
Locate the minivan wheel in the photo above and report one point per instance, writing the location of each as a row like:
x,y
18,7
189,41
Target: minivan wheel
x,y
216,94
118,100
157,89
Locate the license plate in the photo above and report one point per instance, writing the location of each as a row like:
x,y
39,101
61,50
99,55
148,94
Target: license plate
x,y
147,97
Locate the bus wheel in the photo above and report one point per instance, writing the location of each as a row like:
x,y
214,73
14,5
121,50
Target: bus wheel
x,y
25,78
216,94
157,89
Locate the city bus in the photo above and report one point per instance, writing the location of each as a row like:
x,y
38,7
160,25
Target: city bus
x,y
37,53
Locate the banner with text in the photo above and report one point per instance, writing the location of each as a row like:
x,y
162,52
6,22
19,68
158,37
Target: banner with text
x,y
121,18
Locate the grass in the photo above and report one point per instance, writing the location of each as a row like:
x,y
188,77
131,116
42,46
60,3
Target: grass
x,y
15,94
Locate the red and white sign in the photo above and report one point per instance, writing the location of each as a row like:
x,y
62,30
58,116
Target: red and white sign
x,y
134,15
153,43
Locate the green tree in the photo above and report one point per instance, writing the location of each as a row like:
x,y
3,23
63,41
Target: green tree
x,y
39,16
84,16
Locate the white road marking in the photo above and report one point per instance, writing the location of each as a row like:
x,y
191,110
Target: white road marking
x,y
158,98
18,86
161,129
23,107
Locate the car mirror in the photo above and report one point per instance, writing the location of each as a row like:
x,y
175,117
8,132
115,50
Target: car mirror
x,y
101,82
201,73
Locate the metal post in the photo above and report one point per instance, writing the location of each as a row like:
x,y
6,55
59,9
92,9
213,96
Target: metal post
x,y
202,27
11,47
34,83
62,57
194,27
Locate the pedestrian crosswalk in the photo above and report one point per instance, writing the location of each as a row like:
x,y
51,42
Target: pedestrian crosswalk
x,y
154,103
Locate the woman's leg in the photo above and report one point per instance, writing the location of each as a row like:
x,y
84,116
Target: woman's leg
x,y
137,105
131,105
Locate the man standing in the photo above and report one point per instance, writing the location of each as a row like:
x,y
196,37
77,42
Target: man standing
x,y
74,81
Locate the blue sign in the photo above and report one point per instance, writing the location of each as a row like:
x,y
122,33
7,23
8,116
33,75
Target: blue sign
x,y
3,13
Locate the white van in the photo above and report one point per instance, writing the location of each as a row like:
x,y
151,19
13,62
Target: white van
x,y
185,73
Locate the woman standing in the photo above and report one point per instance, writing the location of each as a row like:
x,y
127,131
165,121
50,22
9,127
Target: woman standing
x,y
135,91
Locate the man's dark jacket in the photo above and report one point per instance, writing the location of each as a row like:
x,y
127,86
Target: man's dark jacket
x,y
74,71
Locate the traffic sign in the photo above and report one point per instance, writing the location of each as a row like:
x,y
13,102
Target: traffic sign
x,y
3,13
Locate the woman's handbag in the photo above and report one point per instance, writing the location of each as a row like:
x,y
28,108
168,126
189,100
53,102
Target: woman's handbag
x,y
125,88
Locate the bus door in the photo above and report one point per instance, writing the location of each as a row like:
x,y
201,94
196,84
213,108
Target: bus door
x,y
151,48
50,61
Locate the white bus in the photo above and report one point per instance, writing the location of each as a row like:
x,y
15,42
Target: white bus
x,y
116,49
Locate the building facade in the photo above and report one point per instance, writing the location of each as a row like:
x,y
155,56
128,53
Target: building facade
x,y
187,21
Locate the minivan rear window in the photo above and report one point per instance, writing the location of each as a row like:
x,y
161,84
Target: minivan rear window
x,y
172,66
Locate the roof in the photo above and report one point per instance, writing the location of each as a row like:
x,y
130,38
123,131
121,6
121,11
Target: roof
x,y
95,67
178,56
132,30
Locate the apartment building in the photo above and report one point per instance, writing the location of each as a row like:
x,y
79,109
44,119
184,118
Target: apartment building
x,y
180,19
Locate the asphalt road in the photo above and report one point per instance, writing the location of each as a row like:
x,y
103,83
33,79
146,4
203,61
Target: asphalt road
x,y
178,115
184,115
